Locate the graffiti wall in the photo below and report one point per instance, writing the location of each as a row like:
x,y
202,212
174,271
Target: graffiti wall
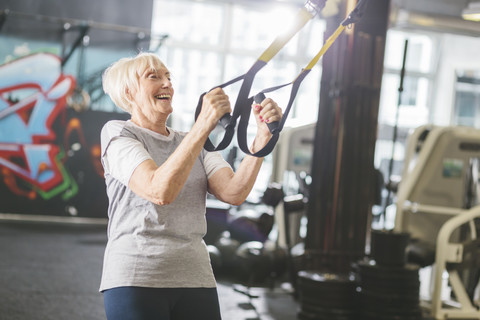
x,y
49,151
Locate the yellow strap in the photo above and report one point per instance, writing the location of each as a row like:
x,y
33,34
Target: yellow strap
x,y
325,47
302,17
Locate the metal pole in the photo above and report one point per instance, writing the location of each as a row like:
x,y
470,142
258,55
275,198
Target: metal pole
x,y
395,133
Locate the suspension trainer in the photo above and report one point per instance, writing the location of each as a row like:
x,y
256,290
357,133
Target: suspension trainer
x,y
242,107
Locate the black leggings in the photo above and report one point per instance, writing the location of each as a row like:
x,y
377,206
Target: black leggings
x,y
135,303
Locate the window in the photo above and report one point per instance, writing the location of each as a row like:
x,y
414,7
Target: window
x,y
410,108
467,99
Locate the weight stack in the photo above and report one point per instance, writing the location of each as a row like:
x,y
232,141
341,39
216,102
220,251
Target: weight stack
x,y
388,286
325,296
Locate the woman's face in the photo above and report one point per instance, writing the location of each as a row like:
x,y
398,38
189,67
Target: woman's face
x,y
155,92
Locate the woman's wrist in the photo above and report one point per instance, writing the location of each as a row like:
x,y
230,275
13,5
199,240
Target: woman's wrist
x,y
260,141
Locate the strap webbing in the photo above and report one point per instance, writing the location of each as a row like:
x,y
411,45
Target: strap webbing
x,y
242,108
242,126
243,101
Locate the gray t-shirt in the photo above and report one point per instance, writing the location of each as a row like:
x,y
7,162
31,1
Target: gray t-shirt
x,y
151,245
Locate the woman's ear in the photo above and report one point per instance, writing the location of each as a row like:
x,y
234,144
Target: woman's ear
x,y
129,93
129,96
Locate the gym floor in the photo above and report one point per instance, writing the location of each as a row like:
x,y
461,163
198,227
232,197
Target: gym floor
x,y
52,272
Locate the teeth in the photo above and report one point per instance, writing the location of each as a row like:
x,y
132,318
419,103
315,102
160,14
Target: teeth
x,y
163,96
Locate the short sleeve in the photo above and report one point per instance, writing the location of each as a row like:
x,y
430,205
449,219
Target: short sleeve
x,y
122,157
214,161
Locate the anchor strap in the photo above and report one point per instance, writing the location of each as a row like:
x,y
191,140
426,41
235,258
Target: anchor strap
x,y
242,107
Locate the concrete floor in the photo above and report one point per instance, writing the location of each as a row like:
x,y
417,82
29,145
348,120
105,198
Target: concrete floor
x,y
52,272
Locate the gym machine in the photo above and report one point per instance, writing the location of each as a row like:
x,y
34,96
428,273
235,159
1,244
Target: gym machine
x,y
437,204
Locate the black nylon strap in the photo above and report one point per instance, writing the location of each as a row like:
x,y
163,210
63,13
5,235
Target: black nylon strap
x,y
242,110
227,121
242,107
245,116
241,104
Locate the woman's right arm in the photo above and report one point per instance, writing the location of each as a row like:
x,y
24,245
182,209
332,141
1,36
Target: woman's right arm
x,y
162,184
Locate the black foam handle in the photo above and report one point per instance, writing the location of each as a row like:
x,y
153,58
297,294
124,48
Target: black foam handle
x,y
225,120
272,126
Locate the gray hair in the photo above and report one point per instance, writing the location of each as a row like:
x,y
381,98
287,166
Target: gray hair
x,y
124,75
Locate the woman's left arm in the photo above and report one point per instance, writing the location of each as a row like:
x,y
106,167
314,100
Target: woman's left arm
x,y
234,187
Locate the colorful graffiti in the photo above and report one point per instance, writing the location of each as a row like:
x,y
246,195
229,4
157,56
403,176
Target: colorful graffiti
x,y
45,156
26,135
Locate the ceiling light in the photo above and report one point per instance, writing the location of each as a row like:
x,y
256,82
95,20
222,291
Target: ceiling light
x,y
472,12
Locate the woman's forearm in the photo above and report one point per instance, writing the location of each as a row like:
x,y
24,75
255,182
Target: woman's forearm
x,y
234,188
162,184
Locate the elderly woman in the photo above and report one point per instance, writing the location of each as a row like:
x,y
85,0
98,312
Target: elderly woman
x,y
156,264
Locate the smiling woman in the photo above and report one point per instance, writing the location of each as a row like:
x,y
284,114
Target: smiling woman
x,y
118,80
156,263
151,99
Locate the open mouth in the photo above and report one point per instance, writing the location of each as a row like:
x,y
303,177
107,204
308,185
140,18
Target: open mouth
x,y
163,97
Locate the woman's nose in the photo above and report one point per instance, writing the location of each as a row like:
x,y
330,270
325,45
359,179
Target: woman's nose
x,y
166,83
